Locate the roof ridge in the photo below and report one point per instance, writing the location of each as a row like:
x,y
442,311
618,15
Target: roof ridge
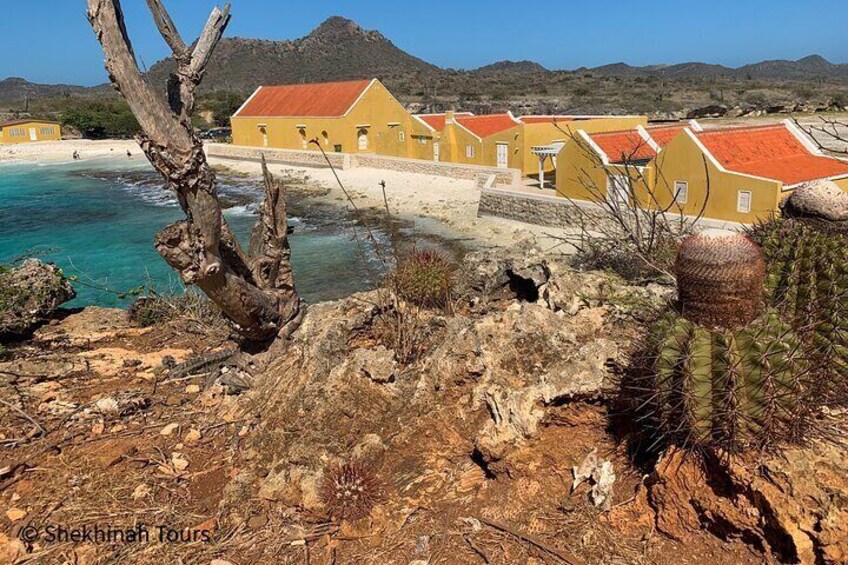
x,y
617,132
305,84
728,129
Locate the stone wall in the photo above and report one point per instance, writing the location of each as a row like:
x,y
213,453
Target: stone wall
x,y
277,156
555,211
538,209
495,176
503,177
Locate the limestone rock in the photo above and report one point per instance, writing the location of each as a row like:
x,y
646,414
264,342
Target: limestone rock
x,y
517,272
31,294
294,486
377,364
819,200
790,504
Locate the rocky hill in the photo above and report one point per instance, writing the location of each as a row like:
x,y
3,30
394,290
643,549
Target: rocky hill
x,y
339,49
18,90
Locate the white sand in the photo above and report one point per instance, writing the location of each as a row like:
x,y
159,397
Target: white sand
x,y
440,205
42,151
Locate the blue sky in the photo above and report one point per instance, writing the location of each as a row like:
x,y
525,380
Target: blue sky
x,y
460,34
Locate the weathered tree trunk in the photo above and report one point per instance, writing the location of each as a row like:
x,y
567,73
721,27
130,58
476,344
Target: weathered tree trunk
x,y
256,291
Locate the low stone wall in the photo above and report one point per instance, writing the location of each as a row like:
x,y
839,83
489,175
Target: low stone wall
x,y
541,209
278,156
503,177
558,212
492,175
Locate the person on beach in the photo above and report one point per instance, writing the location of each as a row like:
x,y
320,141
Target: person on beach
x,y
129,155
76,156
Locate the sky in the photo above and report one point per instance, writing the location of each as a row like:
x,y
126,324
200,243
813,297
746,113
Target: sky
x,y
50,41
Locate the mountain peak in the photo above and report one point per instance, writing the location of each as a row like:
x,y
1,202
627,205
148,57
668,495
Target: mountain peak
x,y
337,27
815,60
515,67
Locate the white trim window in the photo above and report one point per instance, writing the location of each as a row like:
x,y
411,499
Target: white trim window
x,y
743,201
401,135
681,191
469,151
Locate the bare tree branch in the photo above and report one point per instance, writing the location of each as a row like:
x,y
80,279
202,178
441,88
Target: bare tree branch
x,y
167,28
256,293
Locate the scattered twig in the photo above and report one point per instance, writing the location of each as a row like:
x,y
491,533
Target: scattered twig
x,y
570,559
477,550
32,420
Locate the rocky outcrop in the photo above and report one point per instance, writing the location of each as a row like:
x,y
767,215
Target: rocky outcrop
x,y
29,295
529,334
790,506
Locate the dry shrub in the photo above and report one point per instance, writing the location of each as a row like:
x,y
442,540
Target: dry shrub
x,y
403,328
599,254
148,311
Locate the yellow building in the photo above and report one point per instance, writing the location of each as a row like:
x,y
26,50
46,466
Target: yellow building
x,y
350,117
540,131
612,166
492,140
731,174
26,131
741,174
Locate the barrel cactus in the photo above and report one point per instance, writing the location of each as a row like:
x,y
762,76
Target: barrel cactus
x,y
806,253
424,277
720,370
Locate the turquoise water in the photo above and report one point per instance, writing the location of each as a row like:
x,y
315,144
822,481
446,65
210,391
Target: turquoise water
x,y
97,220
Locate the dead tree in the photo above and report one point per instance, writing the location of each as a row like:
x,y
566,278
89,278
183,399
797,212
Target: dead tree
x,y
255,290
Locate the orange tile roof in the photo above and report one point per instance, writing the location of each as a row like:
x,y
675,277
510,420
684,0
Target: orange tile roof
x,y
546,119
484,126
769,151
664,134
329,99
622,146
437,121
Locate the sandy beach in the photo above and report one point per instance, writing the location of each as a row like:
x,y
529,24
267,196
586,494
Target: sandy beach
x,y
53,151
435,204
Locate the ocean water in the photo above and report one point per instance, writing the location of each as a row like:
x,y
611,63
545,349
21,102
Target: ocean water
x,y
97,220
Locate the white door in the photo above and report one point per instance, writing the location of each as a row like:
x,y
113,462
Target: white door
x,y
363,140
503,155
436,151
618,191
264,132
33,136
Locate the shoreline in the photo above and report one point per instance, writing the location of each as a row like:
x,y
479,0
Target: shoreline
x,y
439,206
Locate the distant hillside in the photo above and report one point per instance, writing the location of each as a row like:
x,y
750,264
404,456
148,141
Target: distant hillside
x,y
339,49
814,66
513,67
16,91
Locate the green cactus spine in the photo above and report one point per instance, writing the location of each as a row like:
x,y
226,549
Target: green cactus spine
x,y
729,388
807,283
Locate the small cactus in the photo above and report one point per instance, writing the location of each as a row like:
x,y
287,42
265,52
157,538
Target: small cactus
x,y
720,370
425,278
349,491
